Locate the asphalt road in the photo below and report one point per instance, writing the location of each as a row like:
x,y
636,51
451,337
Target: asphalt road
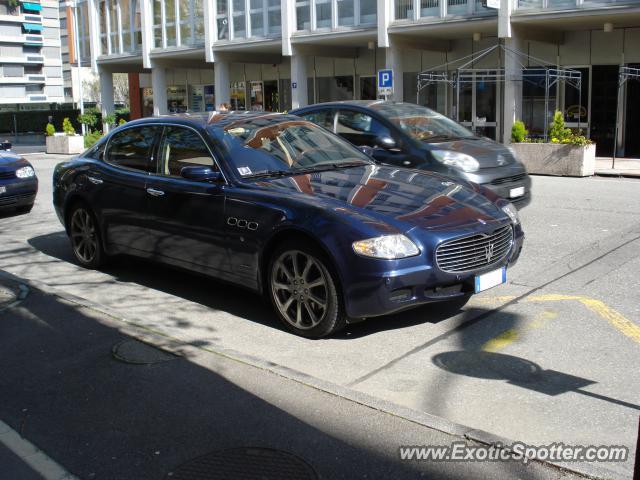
x,y
550,357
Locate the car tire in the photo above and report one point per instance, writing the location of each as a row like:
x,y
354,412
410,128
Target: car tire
x,y
304,291
86,240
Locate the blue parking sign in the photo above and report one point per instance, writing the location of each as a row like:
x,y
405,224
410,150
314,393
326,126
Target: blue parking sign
x,y
385,78
385,82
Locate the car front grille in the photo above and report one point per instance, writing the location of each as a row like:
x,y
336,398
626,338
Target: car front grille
x,y
7,175
474,252
11,199
513,179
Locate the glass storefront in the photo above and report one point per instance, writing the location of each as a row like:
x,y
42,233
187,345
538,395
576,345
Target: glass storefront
x,y
177,99
238,96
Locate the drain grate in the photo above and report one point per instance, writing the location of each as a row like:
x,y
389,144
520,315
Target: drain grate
x,y
245,464
140,353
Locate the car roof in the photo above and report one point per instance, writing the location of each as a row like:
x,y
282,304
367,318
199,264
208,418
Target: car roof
x,y
217,120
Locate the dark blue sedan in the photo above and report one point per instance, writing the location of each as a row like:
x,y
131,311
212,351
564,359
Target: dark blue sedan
x,y
18,182
281,206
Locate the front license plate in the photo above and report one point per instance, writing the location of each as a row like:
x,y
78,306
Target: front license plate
x,y
3,189
516,192
491,279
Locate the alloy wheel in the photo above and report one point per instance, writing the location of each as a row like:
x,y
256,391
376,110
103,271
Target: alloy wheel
x,y
83,235
299,287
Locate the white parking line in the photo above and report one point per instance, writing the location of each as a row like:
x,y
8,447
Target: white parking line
x,y
30,454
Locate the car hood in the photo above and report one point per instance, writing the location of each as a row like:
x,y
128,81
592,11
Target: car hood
x,y
400,197
489,154
9,161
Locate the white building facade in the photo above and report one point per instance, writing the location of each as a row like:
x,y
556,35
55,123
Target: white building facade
x,y
30,60
193,55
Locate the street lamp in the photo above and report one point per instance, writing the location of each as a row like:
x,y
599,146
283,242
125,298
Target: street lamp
x,y
76,46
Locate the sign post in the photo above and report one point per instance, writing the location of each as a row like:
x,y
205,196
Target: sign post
x,y
385,83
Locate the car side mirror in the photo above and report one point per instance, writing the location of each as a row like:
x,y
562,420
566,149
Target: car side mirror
x,y
200,174
6,145
386,142
366,149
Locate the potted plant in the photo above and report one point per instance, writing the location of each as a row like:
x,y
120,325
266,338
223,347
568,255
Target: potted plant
x,y
66,143
567,153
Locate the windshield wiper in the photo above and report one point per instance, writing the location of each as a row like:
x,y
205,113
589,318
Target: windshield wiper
x,y
270,173
330,166
440,137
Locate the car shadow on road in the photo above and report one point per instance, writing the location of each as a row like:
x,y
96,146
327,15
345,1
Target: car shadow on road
x,y
203,290
233,299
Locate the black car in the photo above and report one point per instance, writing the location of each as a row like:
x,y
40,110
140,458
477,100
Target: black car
x,y
277,204
18,181
409,135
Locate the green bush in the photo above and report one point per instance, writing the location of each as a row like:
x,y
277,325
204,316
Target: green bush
x,y
559,134
122,122
109,119
518,132
67,127
50,131
88,118
91,138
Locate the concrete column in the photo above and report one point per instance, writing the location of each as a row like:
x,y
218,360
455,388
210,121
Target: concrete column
x,y
221,81
106,95
159,85
512,87
394,61
299,96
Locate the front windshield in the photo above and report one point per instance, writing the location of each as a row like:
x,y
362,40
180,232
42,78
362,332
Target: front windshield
x,y
267,144
422,123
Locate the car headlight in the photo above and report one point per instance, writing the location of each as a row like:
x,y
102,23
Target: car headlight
x,y
458,160
510,210
25,172
389,247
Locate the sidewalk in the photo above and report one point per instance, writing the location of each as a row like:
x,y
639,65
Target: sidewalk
x,y
624,167
104,405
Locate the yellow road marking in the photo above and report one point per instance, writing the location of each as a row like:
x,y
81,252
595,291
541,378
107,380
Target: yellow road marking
x,y
511,335
501,341
615,318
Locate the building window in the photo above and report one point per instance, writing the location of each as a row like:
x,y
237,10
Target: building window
x,y
170,22
403,9
222,20
157,23
303,15
323,13
346,13
239,30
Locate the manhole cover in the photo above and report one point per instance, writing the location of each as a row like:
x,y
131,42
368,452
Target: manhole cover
x,y
140,353
245,464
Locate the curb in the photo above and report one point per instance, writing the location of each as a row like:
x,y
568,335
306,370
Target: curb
x,y
178,347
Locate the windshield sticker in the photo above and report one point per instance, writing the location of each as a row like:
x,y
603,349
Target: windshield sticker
x,y
244,170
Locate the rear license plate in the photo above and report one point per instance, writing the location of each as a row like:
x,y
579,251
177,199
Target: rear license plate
x,y
516,192
491,279
3,189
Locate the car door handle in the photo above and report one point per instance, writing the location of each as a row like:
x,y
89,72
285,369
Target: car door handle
x,y
95,181
154,192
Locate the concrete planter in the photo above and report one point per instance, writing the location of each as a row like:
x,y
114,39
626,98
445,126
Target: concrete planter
x,y
557,159
65,144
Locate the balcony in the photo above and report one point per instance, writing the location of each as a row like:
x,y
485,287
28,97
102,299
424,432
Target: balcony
x,y
553,5
415,10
